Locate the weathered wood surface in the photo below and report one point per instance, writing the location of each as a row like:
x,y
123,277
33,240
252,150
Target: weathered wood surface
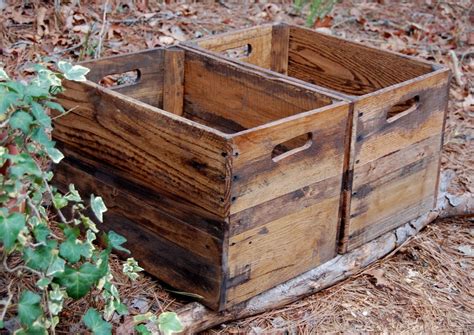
x,y
175,179
258,38
175,241
148,63
398,110
226,97
145,145
196,318
394,165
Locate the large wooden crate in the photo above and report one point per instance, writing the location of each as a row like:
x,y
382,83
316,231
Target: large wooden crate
x,y
225,182
398,111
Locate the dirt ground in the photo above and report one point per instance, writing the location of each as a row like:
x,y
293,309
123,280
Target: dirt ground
x,y
424,288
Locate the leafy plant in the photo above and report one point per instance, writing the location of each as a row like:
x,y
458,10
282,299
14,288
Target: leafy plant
x,y
59,251
318,9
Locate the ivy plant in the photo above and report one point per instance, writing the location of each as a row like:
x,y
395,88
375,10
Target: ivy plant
x,y
59,250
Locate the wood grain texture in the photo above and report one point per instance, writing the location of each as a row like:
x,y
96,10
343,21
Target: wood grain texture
x,y
345,66
257,178
279,48
146,145
244,99
395,165
149,63
259,39
171,248
173,83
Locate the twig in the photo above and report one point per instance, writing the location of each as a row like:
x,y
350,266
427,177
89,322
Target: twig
x,y
69,49
102,31
20,267
65,113
456,69
7,303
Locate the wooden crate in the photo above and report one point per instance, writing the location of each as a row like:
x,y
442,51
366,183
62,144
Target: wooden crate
x,y
398,112
235,188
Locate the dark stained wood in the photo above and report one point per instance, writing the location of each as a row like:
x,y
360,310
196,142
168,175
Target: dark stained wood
x,y
279,48
345,66
169,248
146,145
173,81
149,64
245,98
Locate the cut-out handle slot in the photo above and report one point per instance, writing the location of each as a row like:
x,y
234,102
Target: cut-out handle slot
x,y
291,147
117,80
238,52
403,108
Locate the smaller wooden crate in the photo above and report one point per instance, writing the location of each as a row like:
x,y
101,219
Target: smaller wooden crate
x,y
398,112
225,182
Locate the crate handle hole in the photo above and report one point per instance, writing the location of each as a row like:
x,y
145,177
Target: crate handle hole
x,y
292,146
116,80
403,108
238,52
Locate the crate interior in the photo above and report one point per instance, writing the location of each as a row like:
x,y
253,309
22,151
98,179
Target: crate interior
x,y
206,90
333,63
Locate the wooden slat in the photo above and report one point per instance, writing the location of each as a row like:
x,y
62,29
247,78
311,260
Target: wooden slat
x,y
146,145
244,98
149,63
257,178
279,51
177,252
347,67
259,39
269,254
173,81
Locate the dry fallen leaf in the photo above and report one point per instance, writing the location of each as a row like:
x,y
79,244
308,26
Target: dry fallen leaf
x,y
380,279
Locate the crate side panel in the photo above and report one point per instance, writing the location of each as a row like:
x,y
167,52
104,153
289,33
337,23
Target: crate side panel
x,y
344,66
176,250
258,39
396,164
145,146
271,253
149,63
258,178
229,97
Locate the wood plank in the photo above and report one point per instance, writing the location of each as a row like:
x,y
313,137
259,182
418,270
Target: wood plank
x,y
259,39
246,98
267,255
284,205
345,66
379,206
173,81
149,63
186,258
257,178
279,51
146,145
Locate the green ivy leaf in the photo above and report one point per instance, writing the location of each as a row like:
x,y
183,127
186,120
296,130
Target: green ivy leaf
x,y
116,241
96,324
79,282
10,227
72,251
98,207
39,135
73,72
36,91
55,155
41,257
15,86
29,308
40,114
35,330
43,283
6,100
56,267
54,105
41,232
168,323
23,164
21,120
73,194
59,201
142,330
